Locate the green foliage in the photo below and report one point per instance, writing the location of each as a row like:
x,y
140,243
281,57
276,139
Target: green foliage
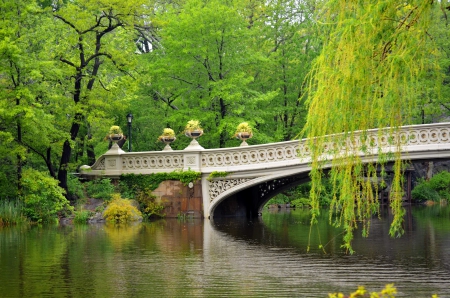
x,y
75,188
214,174
148,205
205,66
131,183
140,187
301,202
424,192
82,216
299,195
100,189
121,210
43,199
11,213
278,199
436,189
441,183
368,75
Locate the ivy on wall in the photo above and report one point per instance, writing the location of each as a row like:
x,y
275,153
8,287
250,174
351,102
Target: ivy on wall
x,y
139,182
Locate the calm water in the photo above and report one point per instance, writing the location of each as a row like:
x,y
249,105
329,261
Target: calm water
x,y
232,258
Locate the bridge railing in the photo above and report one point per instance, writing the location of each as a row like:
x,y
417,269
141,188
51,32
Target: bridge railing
x,y
415,137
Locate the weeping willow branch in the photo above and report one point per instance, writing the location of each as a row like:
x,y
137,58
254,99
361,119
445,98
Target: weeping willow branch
x,y
367,76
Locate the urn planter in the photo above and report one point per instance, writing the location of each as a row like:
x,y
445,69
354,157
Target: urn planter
x,y
167,141
193,134
244,136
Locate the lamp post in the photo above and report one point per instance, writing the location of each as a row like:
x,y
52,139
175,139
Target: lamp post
x,y
129,119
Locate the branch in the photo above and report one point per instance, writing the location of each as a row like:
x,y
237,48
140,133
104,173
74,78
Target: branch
x,y
184,81
67,22
445,106
158,96
97,55
67,62
103,86
97,24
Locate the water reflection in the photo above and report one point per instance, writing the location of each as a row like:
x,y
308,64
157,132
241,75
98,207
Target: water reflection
x,y
229,258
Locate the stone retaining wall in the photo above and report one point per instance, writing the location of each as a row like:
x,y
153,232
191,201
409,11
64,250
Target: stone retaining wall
x,y
180,200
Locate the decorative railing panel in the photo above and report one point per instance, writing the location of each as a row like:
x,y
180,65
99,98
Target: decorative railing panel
x,y
369,142
274,154
258,154
152,161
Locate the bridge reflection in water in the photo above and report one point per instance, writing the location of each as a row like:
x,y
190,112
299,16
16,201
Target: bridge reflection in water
x,y
225,258
256,173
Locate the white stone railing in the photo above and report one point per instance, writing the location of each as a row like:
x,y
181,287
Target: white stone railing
x,y
116,162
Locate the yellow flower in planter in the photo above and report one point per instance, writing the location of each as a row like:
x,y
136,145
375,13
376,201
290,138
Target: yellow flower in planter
x,y
244,127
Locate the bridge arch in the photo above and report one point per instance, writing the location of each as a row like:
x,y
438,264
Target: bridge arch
x,y
251,194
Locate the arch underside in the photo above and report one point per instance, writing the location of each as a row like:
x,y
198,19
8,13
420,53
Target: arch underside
x,y
248,197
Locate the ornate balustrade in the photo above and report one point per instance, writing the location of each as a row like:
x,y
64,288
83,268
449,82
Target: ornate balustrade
x,y
413,138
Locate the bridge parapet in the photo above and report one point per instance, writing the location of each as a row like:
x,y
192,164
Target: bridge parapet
x,y
274,155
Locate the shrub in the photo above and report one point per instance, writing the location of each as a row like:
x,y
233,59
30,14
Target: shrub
x,y
43,199
424,192
100,189
148,205
75,188
82,216
121,210
300,202
278,199
441,183
437,188
11,213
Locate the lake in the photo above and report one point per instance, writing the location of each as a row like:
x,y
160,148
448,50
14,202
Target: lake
x,y
266,257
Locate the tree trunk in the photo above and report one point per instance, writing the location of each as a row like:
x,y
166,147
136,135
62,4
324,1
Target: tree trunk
x,y
65,157
19,159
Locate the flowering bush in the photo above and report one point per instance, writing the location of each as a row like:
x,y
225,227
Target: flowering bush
x,y
121,210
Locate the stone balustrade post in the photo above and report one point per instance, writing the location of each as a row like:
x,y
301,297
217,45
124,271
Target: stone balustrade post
x,y
113,161
192,160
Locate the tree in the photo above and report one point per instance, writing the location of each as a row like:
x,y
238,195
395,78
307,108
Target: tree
x,y
203,68
434,106
25,81
96,46
290,43
367,76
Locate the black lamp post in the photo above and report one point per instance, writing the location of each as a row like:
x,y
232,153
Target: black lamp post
x,y
129,119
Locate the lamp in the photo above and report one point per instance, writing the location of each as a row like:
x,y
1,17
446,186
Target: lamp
x,y
129,120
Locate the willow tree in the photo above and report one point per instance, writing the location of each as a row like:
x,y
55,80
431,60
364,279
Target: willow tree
x,y
367,76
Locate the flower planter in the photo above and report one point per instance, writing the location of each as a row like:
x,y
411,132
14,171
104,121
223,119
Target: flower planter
x,y
244,136
193,134
167,141
115,137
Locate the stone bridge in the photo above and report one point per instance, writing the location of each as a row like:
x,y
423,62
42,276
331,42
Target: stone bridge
x,y
256,173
